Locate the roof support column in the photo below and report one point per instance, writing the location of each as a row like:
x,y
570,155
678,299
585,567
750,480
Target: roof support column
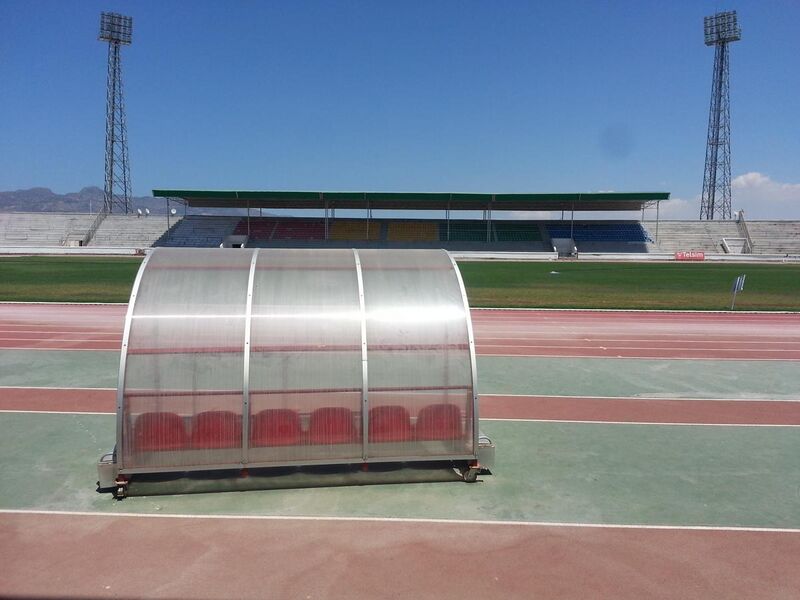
x,y
658,205
447,216
489,220
572,223
325,202
369,214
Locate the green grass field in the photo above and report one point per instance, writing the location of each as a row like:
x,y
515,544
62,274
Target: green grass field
x,y
681,286
67,278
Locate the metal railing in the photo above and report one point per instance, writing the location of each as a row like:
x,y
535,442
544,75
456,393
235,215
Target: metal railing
x,y
98,220
742,225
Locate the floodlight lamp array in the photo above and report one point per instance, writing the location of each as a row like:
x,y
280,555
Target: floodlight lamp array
x,y
721,28
115,28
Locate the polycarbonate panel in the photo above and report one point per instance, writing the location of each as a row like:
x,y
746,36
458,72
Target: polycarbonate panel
x,y
183,387
420,379
183,393
305,357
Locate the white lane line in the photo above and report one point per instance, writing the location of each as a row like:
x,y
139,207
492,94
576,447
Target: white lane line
x,y
402,520
482,395
49,387
59,349
512,340
559,397
651,348
599,422
720,313
66,303
581,422
55,412
617,356
50,340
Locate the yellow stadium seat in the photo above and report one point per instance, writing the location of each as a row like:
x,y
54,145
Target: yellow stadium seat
x,y
413,231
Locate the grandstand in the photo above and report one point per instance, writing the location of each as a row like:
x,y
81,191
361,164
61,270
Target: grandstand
x,y
697,236
600,236
130,230
488,234
43,229
775,237
196,231
412,231
355,230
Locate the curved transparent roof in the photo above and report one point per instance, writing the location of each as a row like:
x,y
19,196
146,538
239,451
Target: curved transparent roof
x,y
259,357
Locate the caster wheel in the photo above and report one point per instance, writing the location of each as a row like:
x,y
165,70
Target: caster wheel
x,y
121,492
471,475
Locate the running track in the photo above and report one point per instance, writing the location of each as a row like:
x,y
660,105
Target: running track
x,y
95,555
743,336
719,336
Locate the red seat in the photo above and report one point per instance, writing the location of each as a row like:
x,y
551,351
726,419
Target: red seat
x,y
159,431
275,427
331,425
389,424
217,429
439,422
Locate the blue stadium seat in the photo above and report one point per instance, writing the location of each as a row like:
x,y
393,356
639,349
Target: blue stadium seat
x,y
600,232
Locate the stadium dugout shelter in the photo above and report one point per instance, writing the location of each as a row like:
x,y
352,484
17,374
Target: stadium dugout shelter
x,y
487,204
257,358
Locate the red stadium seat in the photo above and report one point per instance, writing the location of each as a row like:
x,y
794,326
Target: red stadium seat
x,y
155,431
389,424
217,429
275,427
439,422
332,425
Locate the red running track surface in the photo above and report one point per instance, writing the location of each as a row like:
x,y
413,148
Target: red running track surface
x,y
540,408
93,556
748,336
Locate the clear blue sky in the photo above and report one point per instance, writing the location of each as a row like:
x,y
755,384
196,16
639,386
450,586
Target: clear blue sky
x,y
433,96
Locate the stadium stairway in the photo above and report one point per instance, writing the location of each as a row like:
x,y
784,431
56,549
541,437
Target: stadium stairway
x,y
130,231
698,236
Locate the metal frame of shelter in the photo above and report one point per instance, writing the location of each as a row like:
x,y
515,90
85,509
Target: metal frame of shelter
x,y
328,202
307,316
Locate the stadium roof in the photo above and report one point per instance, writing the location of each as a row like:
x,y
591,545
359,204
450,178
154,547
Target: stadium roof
x,y
413,200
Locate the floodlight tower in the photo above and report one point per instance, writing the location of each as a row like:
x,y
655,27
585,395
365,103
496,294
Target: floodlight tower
x,y
116,30
720,29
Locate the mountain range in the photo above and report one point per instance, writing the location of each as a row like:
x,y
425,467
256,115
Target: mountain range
x,y
88,200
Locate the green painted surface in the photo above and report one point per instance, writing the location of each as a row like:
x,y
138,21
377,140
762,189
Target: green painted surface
x,y
58,368
729,379
733,379
674,475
